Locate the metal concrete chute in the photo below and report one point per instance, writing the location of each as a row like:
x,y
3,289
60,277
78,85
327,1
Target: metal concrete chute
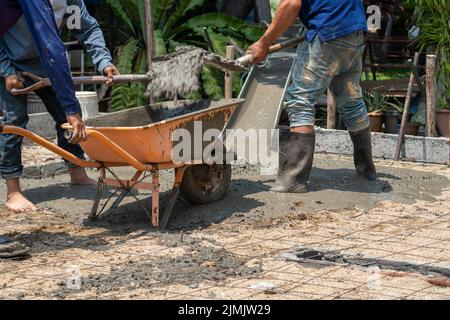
x,y
264,92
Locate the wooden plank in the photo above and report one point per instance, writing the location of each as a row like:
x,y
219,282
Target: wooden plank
x,y
389,86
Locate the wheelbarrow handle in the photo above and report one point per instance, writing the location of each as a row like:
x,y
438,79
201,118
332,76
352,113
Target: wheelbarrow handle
x,y
275,48
45,82
111,145
7,129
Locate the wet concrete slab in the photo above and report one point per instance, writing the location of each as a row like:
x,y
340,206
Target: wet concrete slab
x,y
334,186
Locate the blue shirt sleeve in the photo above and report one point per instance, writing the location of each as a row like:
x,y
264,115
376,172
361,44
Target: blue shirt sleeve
x,y
41,21
91,36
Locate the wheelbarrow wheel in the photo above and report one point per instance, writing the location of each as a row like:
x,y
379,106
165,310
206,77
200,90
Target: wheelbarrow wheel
x,y
203,184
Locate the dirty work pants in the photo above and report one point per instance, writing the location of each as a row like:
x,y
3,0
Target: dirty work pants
x,y
15,113
337,65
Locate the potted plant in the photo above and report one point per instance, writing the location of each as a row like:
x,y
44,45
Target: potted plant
x,y
376,103
443,117
432,17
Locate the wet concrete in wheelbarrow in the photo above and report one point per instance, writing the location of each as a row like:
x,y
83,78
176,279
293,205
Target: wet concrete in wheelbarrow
x,y
333,186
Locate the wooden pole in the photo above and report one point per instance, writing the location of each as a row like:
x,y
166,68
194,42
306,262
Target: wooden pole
x,y
149,30
229,74
431,96
331,110
401,135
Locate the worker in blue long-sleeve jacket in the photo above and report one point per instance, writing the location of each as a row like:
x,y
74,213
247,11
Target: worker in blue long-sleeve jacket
x,y
30,42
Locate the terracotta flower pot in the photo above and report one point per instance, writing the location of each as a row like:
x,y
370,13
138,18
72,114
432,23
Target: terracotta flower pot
x,y
376,121
412,129
443,122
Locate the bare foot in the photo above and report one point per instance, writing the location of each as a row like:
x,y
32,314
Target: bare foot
x,y
19,204
15,200
78,176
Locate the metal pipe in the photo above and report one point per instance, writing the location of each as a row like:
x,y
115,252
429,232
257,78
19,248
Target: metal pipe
x,y
45,82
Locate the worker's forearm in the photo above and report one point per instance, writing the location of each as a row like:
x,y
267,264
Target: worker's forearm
x,y
285,16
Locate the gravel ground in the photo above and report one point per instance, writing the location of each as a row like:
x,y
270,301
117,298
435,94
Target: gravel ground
x,y
242,247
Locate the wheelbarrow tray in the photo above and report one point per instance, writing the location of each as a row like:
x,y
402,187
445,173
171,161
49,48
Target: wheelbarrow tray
x,y
146,132
141,138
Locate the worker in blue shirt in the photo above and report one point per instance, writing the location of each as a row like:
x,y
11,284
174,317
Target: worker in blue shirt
x,y
33,44
331,57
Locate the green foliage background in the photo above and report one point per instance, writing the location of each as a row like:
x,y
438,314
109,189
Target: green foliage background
x,y
433,18
175,25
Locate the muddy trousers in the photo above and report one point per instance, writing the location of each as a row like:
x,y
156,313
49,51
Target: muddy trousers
x,y
336,65
15,113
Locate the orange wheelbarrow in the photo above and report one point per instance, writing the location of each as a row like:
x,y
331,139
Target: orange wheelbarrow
x,y
141,138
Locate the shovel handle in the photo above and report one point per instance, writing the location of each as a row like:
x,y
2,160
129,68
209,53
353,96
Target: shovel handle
x,y
40,83
275,48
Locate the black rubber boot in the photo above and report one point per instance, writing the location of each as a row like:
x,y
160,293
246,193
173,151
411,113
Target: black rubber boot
x,y
296,160
362,145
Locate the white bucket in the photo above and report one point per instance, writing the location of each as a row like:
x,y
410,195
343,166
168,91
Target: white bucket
x,y
88,102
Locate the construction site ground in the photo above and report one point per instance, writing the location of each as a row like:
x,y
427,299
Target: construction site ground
x,y
243,247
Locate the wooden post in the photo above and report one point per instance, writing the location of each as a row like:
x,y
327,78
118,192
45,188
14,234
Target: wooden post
x,y
229,74
331,110
401,134
149,31
431,96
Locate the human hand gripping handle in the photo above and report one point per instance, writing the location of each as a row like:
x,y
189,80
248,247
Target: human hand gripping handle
x,y
286,14
79,133
13,82
110,72
259,51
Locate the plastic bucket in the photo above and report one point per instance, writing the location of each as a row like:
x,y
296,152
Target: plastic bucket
x,y
88,102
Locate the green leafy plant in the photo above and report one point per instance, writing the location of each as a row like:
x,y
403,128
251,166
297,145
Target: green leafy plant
x,y
175,25
377,102
433,19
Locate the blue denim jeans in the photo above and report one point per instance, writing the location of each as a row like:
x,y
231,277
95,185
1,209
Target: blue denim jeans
x,y
15,113
336,65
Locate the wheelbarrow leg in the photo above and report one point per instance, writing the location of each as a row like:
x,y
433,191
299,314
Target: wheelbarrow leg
x,y
119,199
179,173
98,196
155,198
126,191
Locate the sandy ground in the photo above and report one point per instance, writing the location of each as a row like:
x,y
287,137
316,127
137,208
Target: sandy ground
x,y
244,246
